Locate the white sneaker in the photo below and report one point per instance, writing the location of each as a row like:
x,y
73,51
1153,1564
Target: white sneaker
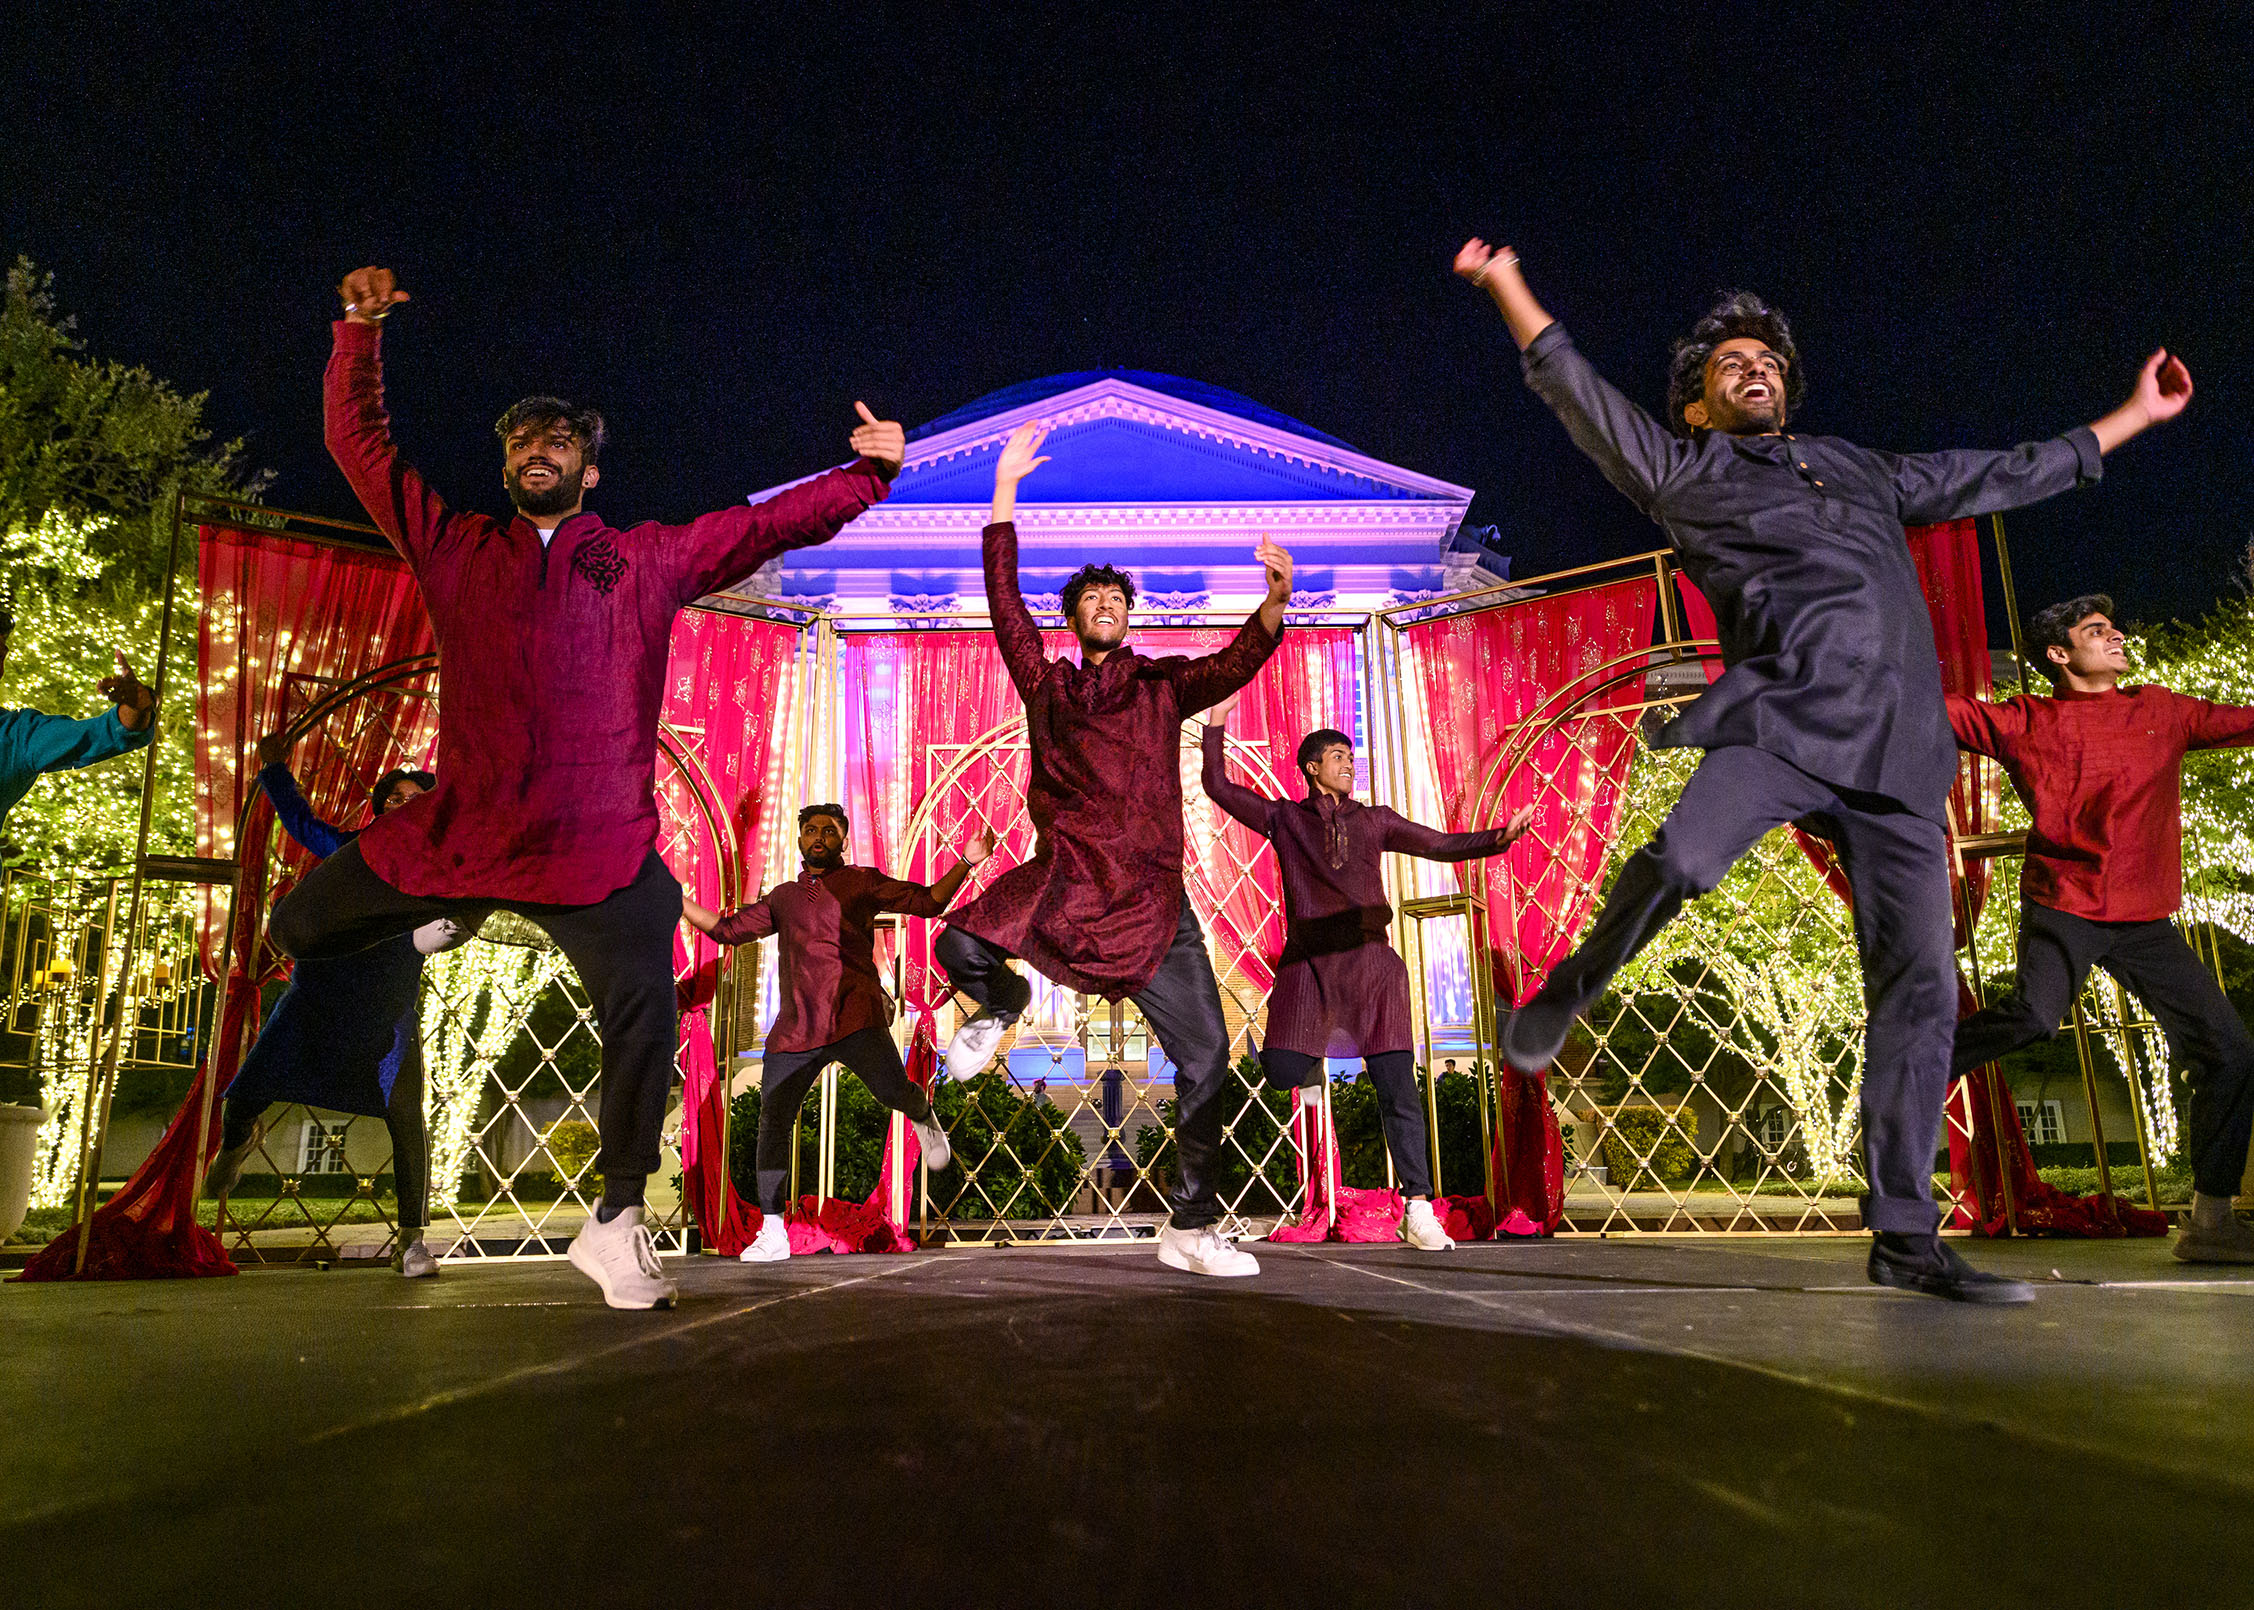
x,y
1420,1227
621,1258
415,1261
974,1046
771,1244
937,1152
1204,1252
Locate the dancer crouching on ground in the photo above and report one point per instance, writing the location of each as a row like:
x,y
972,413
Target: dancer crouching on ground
x,y
1341,989
553,631
2099,768
1830,714
1100,907
347,1035
833,1007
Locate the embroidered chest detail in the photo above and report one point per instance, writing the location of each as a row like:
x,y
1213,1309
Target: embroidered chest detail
x,y
600,564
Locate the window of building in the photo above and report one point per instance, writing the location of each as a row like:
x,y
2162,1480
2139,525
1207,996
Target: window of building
x,y
2044,1122
1776,1123
321,1148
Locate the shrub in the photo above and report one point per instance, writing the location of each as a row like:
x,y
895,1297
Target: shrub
x,y
1633,1133
572,1143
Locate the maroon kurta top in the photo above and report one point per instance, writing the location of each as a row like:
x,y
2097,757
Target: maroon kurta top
x,y
551,659
1340,989
1098,904
827,921
2100,774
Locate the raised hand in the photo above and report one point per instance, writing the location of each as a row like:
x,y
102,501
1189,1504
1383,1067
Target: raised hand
x,y
369,294
1278,565
133,699
881,441
273,749
1218,715
1018,453
2163,387
977,848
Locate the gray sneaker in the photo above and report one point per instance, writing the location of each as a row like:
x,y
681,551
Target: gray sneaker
x,y
2229,1242
226,1171
415,1260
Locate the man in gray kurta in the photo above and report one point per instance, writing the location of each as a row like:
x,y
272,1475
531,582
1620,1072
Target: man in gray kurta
x,y
1830,712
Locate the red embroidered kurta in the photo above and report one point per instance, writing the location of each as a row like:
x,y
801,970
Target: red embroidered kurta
x,y
2100,774
1341,990
827,920
1097,905
551,660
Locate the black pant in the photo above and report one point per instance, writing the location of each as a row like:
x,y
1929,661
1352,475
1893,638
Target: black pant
x,y
403,1117
786,1076
2057,951
621,946
1182,1004
1399,1108
1897,868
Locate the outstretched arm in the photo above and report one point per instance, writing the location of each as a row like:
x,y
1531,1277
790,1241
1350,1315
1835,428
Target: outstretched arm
x,y
1214,678
1636,453
1254,810
1014,630
1405,837
1985,726
738,927
717,549
408,512
929,900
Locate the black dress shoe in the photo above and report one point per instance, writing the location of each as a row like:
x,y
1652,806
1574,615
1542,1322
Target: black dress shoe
x,y
1927,1264
1533,1036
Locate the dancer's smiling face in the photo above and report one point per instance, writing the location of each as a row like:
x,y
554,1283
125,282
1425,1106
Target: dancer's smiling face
x,y
544,466
1744,389
1099,617
821,842
2095,650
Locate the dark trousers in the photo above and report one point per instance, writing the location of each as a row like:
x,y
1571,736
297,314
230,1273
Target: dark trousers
x,y
1182,1004
786,1076
621,946
2057,951
1399,1107
403,1117
1897,867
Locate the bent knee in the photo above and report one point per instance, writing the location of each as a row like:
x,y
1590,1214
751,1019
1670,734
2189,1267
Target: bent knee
x,y
1688,870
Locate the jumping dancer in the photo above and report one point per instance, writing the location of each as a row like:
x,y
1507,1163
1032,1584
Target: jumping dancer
x,y
32,742
347,1035
833,1007
1100,907
1341,989
1830,712
2099,768
553,631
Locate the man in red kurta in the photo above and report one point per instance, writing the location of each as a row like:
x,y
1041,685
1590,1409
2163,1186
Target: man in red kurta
x,y
1341,990
1100,907
833,1006
552,633
2097,766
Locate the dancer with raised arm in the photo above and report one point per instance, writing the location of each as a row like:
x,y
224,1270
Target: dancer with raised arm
x,y
33,743
1829,714
1341,989
552,631
833,1006
347,1035
1101,906
2099,768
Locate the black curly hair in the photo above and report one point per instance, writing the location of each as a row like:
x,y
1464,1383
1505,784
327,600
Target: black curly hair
x,y
807,813
1740,313
584,423
2054,628
1088,576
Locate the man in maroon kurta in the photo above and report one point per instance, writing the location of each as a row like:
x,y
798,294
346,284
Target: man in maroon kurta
x,y
833,1006
2099,769
552,633
1100,907
1341,990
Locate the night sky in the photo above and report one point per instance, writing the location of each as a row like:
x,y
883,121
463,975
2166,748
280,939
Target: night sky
x,y
721,230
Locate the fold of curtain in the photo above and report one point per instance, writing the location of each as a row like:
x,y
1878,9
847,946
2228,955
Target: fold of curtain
x,y
1479,677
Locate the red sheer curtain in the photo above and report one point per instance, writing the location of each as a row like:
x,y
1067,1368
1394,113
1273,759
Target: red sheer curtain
x,y
1480,676
283,621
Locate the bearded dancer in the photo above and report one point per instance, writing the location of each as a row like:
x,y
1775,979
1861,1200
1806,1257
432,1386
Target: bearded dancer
x,y
1341,990
833,1006
1100,907
1830,714
2098,767
553,632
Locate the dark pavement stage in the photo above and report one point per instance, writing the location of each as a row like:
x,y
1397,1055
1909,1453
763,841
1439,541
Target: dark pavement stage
x,y
1641,1423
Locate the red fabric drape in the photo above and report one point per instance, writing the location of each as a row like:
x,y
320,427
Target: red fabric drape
x,y
1481,676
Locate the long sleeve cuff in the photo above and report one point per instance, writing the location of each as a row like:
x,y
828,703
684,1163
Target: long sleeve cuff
x,y
2089,462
